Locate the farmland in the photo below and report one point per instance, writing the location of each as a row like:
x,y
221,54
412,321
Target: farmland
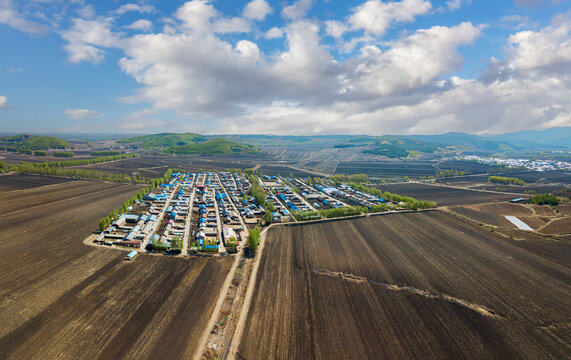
x,y
444,195
62,299
22,182
387,169
420,285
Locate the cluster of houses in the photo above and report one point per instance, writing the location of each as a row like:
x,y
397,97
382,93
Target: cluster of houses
x,y
207,224
359,198
238,187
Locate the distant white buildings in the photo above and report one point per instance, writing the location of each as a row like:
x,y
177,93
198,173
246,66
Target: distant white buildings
x,y
537,165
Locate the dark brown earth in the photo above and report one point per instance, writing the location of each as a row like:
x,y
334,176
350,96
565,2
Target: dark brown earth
x,y
61,299
21,182
444,195
408,286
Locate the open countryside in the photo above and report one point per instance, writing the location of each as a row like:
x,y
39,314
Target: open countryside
x,y
293,179
186,262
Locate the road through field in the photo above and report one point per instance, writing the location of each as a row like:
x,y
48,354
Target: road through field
x,y
236,338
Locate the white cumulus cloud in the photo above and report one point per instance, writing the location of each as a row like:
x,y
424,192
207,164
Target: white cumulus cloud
x,y
227,84
11,16
134,7
376,16
141,25
257,10
297,10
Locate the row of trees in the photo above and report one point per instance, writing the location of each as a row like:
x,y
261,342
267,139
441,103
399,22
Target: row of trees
x,y
256,190
449,173
411,203
254,238
81,162
315,180
114,215
28,168
3,166
306,215
506,180
343,211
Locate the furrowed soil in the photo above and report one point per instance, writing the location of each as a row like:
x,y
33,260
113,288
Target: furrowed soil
x,y
444,195
407,286
22,182
61,299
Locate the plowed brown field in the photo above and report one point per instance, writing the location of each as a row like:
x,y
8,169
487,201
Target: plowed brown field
x,y
60,299
407,286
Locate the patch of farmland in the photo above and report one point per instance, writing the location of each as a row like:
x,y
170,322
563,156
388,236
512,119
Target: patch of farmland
x,y
466,166
21,182
62,299
283,171
558,226
420,285
494,214
444,195
386,169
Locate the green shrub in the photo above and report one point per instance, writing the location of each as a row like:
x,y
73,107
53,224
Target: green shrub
x,y
544,199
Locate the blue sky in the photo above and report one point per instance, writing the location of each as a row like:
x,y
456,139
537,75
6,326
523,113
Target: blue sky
x,y
284,67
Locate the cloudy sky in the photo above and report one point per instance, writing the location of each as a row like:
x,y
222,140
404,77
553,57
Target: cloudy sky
x,y
285,67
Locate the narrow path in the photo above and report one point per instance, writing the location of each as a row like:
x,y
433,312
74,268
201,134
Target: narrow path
x,y
248,299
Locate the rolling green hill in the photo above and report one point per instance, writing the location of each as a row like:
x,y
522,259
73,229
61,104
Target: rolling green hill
x,y
33,142
164,140
215,147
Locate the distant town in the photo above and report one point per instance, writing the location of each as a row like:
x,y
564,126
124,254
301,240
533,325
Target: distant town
x,y
536,165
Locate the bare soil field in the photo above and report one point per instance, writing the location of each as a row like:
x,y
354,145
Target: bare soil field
x,y
62,299
538,182
21,182
151,166
467,166
387,169
539,218
276,170
558,226
444,195
494,214
408,286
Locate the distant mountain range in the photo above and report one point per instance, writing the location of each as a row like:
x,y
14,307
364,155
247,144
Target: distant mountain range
x,y
554,138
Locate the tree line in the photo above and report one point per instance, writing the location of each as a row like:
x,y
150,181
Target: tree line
x,y
449,173
254,238
257,191
506,180
81,162
410,202
114,215
27,168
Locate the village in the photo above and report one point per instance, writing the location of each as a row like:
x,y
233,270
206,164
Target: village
x,y
210,213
